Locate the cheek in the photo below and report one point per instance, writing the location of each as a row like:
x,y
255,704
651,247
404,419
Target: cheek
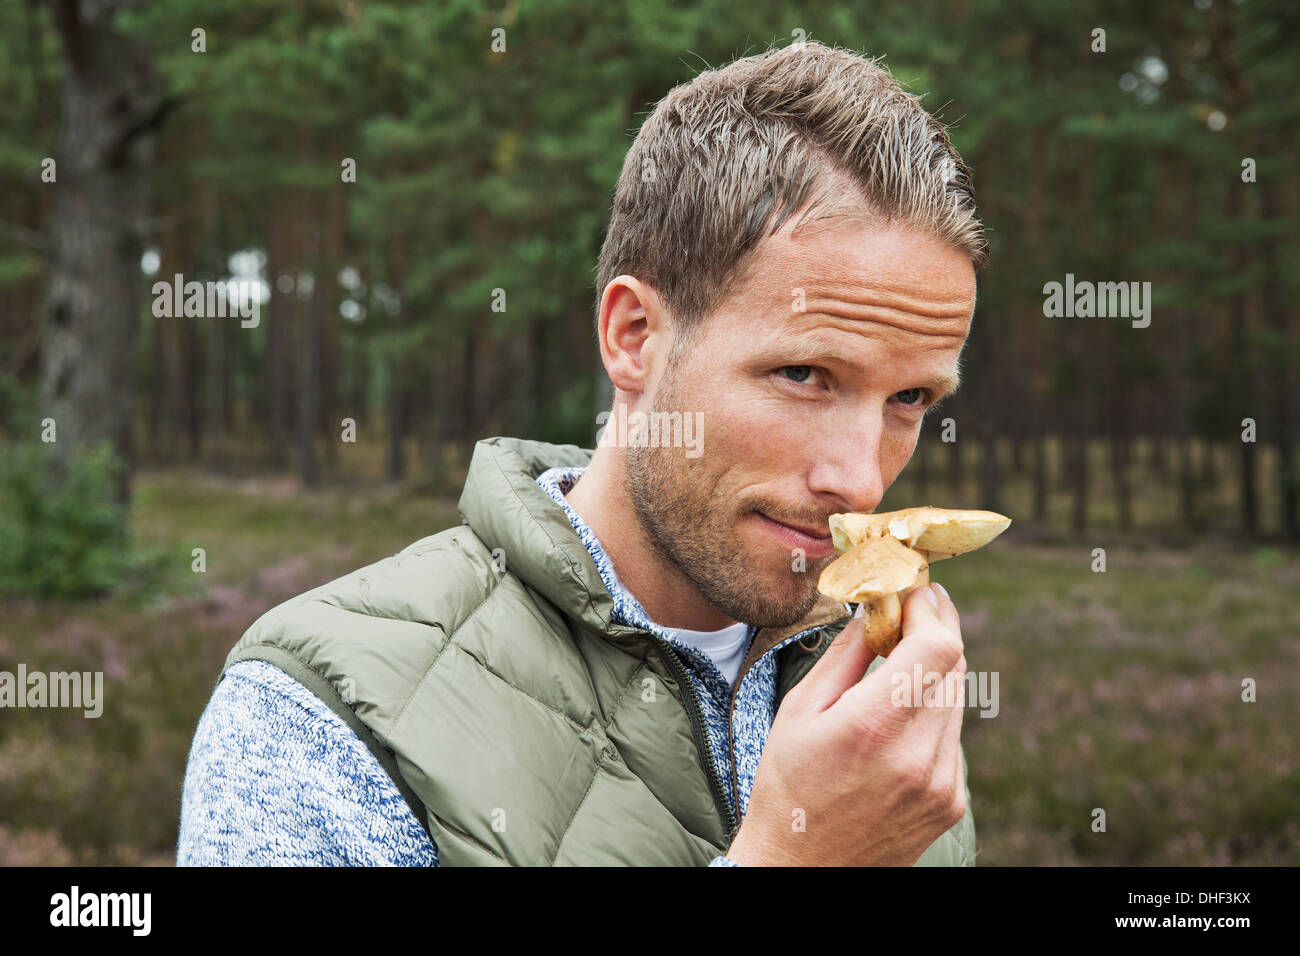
x,y
758,432
896,447
767,414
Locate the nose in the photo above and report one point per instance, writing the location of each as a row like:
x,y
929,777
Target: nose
x,y
846,473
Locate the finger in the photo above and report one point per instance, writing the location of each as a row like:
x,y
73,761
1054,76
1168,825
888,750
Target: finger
x,y
947,608
952,758
948,744
942,708
950,768
839,668
956,693
929,637
928,650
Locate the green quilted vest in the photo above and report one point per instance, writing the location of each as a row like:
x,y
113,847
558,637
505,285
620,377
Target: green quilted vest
x,y
523,726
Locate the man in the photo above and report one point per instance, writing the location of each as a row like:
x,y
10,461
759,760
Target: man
x,y
622,657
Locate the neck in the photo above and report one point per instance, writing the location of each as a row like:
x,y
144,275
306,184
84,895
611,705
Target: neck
x,y
671,600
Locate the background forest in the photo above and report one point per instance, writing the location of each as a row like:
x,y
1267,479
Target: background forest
x,y
374,171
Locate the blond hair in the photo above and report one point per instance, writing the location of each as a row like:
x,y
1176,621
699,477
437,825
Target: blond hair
x,y
731,155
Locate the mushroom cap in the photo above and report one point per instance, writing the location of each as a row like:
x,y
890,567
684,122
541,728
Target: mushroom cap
x,y
878,566
937,532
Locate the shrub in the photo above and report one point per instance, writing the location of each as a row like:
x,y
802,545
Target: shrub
x,y
63,533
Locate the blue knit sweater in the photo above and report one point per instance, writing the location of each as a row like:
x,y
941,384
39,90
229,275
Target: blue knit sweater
x,y
277,778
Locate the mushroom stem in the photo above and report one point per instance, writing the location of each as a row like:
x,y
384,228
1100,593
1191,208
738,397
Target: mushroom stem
x,y
882,618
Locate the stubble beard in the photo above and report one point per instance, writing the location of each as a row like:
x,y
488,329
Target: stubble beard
x,y
694,530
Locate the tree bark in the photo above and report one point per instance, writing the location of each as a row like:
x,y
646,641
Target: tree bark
x,y
1185,389
1275,320
1040,476
309,366
111,103
397,374
1238,317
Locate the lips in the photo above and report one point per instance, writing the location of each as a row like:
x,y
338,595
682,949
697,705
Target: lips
x,y
812,542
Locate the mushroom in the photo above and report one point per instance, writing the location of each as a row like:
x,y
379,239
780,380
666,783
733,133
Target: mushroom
x,y
885,557
879,574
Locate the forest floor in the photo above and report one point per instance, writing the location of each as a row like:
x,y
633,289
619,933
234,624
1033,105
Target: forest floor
x,y
1118,691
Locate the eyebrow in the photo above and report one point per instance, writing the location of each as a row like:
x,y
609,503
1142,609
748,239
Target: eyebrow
x,y
945,385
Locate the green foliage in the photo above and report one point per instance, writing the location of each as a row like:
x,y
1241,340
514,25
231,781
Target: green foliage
x,y
63,532
480,168
61,535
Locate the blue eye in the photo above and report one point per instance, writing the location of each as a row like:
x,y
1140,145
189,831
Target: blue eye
x,y
913,396
797,373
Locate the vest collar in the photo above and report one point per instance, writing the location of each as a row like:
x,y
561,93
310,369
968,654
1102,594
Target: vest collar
x,y
503,504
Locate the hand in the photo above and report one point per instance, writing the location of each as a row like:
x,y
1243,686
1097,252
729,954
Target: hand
x,y
876,782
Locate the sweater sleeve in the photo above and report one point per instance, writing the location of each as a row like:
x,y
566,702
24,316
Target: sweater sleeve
x,y
275,778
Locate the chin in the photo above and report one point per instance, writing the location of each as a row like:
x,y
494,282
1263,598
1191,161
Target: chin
x,y
777,601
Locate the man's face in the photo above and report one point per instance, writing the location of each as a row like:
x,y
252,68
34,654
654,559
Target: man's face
x,y
806,413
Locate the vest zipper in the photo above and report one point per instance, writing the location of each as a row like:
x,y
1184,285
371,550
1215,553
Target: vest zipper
x,y
697,726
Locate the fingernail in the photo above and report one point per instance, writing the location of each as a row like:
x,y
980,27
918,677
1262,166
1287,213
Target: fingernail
x,y
858,612
929,596
942,589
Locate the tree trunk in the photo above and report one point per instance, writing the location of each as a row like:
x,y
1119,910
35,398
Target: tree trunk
x,y
1187,483
217,372
956,471
1082,430
396,457
1275,319
329,419
1040,477
1159,461
1017,450
210,266
985,358
1079,476
397,374
1243,379
110,106
438,427
281,262
1119,461
309,366
157,388
308,383
1185,388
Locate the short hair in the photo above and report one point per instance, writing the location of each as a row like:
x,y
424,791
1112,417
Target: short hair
x,y
732,154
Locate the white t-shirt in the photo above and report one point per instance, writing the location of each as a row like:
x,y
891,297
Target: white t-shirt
x,y
726,648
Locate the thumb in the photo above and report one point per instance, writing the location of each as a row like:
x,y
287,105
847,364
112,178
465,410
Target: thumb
x,y
839,668
929,638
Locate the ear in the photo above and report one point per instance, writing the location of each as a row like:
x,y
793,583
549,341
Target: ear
x,y
633,332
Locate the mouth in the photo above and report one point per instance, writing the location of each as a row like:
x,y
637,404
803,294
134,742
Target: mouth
x,y
812,542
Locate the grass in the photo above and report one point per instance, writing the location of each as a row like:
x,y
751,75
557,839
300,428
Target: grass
x,y
107,791
1123,691
1118,690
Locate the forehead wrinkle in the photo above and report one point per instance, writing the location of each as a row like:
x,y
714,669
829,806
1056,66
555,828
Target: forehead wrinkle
x,y
859,321
897,291
832,294
917,290
886,275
